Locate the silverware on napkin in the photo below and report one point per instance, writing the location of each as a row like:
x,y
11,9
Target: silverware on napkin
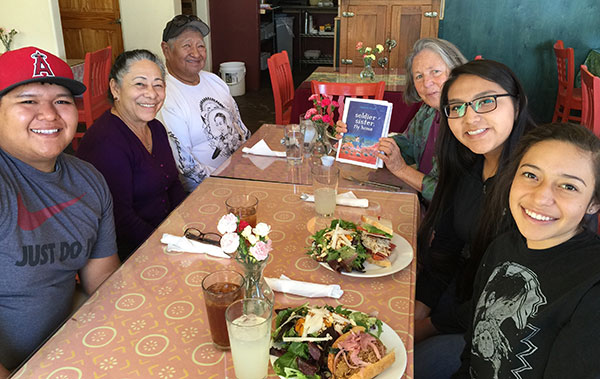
x,y
376,184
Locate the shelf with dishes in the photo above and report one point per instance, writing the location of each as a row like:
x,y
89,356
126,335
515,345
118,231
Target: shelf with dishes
x,y
325,59
318,35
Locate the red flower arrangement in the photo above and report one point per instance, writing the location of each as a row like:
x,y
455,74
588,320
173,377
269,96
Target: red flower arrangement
x,y
322,111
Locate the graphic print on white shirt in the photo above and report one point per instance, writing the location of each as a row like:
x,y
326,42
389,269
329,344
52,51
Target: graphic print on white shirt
x,y
204,126
223,132
510,299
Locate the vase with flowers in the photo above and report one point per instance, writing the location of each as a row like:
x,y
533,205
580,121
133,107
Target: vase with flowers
x,y
6,37
321,115
250,247
368,55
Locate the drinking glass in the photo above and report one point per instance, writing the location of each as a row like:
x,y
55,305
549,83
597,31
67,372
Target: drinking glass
x,y
307,127
294,142
249,327
221,288
243,206
325,182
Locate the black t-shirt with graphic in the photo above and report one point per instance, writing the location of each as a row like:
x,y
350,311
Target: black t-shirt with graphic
x,y
536,312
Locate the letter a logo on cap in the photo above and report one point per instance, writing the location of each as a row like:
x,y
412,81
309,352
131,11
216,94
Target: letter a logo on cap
x,y
40,65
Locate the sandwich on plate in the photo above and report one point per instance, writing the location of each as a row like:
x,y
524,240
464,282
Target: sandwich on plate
x,y
358,355
376,237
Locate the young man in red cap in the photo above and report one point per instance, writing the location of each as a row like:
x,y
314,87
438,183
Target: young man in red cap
x,y
56,217
194,99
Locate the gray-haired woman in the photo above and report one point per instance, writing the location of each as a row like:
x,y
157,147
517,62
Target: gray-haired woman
x,y
131,149
409,155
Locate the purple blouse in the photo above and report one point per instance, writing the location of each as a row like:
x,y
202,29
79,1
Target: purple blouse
x,y
145,186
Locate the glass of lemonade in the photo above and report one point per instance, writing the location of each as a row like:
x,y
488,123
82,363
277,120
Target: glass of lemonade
x,y
249,327
325,182
221,288
243,206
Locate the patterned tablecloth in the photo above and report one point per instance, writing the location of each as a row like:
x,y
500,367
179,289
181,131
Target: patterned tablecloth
x,y
254,167
147,320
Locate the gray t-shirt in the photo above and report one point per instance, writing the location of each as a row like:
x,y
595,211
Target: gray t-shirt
x,y
50,225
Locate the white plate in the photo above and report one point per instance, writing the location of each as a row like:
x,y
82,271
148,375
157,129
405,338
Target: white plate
x,y
392,341
401,257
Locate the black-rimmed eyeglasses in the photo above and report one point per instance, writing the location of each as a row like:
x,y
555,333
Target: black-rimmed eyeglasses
x,y
196,235
482,104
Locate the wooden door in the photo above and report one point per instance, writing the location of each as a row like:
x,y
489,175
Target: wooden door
x,y
90,25
410,23
366,23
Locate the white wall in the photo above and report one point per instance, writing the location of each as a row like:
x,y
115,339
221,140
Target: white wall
x,y
143,21
204,14
38,23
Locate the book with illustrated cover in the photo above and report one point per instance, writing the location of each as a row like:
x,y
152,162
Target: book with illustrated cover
x,y
368,121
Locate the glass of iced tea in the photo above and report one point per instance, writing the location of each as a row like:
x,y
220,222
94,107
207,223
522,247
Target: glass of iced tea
x,y
243,206
221,288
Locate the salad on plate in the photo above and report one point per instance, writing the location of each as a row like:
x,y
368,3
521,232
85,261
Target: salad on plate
x,y
345,246
303,337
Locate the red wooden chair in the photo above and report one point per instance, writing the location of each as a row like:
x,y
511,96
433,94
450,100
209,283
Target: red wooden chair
x,y
568,98
342,90
94,101
283,86
590,113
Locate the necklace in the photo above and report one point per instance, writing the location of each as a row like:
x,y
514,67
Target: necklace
x,y
145,136
147,142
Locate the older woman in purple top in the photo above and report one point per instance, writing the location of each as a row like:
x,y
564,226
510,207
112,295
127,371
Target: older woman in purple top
x,y
131,149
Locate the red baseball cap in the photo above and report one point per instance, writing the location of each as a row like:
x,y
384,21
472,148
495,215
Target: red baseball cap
x,y
30,65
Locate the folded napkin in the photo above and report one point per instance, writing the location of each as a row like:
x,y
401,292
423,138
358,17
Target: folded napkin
x,y
261,162
261,148
306,289
183,244
348,199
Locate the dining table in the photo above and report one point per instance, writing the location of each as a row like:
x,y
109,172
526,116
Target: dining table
x,y
148,318
242,165
395,85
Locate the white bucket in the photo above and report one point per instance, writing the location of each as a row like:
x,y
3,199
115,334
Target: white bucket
x,y
234,74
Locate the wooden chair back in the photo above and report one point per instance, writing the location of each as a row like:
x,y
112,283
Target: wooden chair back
x,y
568,98
283,86
343,90
590,112
94,102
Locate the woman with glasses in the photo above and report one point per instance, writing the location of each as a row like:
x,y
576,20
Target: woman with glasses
x,y
409,155
131,149
484,114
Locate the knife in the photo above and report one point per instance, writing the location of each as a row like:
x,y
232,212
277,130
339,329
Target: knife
x,y
377,184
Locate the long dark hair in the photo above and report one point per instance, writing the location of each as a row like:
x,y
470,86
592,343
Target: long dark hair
x,y
498,218
454,159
